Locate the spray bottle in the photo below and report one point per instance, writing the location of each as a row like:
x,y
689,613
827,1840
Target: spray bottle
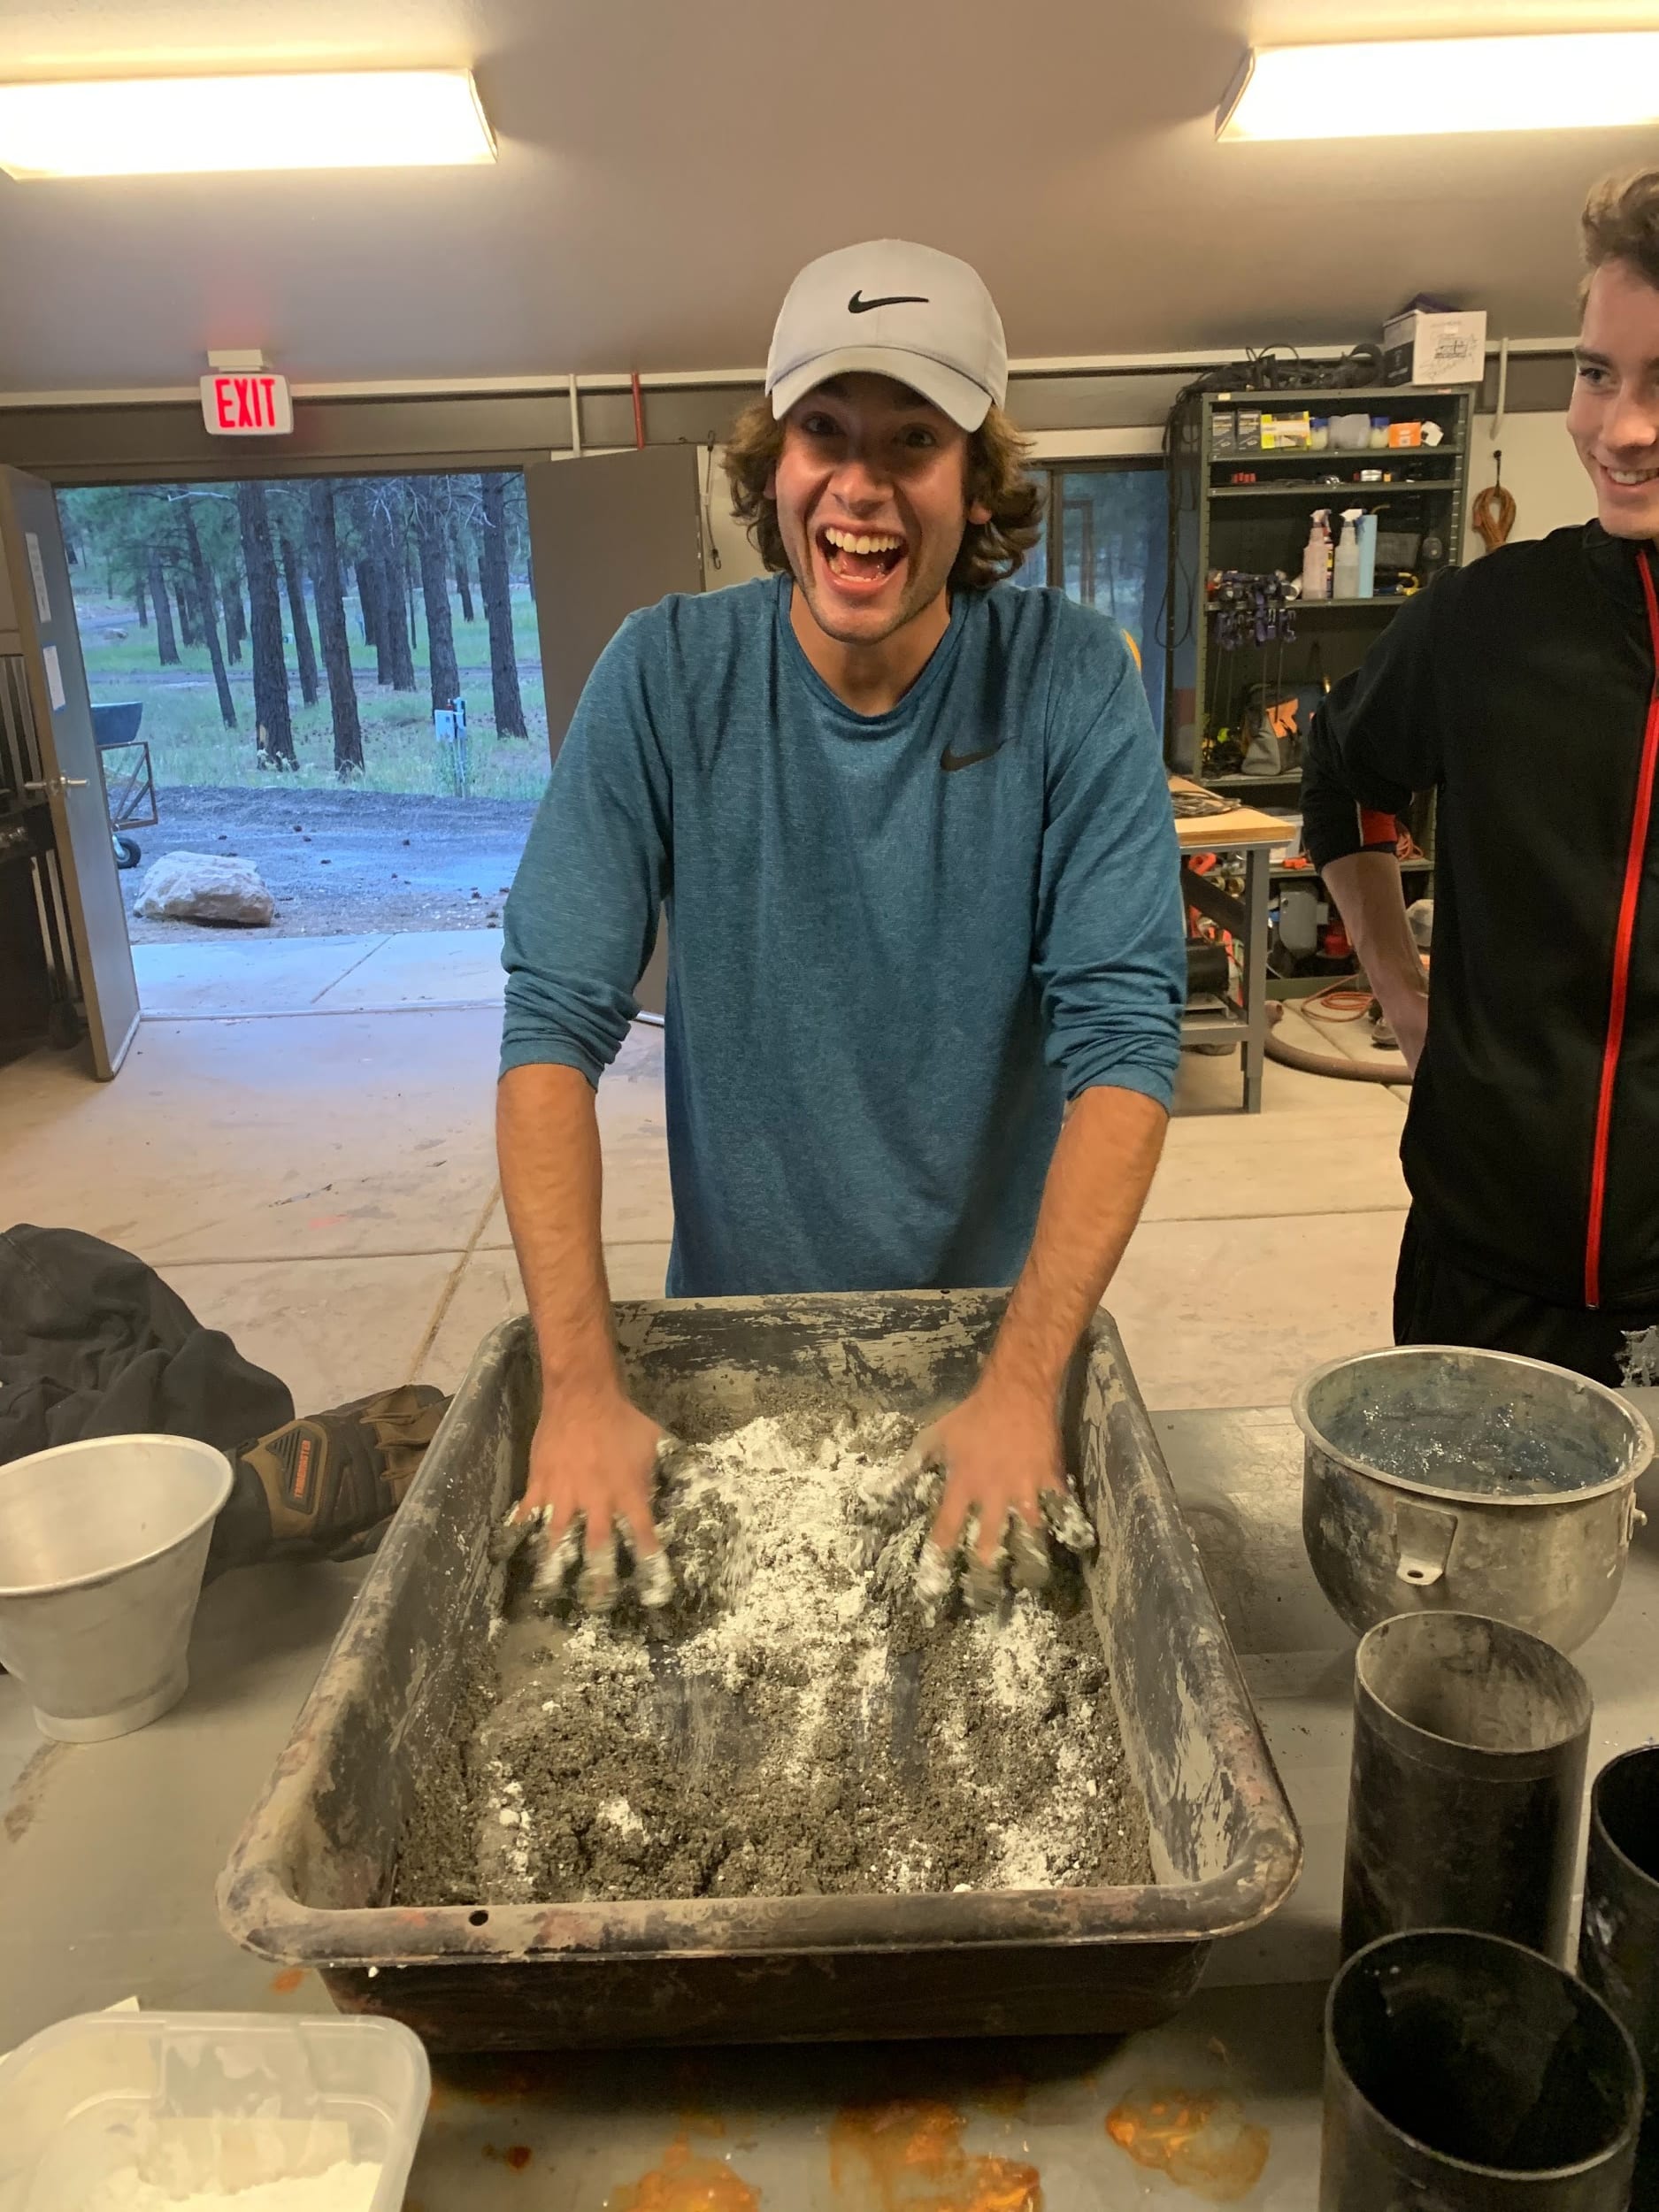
x,y
1345,561
1316,559
1367,586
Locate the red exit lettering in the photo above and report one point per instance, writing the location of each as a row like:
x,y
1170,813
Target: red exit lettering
x,y
246,403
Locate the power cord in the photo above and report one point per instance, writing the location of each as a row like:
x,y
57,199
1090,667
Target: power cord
x,y
1493,513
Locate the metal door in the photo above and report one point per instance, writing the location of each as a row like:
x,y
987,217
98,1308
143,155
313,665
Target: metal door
x,y
53,696
609,533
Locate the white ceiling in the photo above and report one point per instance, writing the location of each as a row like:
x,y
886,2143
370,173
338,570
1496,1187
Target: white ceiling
x,y
666,165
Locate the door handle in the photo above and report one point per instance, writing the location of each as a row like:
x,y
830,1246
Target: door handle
x,y
58,785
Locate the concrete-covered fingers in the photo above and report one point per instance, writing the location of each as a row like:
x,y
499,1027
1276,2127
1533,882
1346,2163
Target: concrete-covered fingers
x,y
1023,1560
891,1494
1068,1522
598,1574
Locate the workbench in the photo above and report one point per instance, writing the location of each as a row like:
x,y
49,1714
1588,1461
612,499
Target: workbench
x,y
1252,835
109,1854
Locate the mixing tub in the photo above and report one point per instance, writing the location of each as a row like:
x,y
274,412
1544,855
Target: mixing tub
x,y
309,1877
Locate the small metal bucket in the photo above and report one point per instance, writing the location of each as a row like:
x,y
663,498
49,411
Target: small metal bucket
x,y
101,1548
1436,1477
1466,2074
1469,1742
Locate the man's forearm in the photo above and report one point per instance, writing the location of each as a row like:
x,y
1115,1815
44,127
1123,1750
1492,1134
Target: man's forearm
x,y
547,1138
1098,1179
1370,895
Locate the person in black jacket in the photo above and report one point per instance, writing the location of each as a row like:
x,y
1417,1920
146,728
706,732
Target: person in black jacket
x,y
1523,689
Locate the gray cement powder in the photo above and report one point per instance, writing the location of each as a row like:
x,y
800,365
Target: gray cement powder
x,y
795,1724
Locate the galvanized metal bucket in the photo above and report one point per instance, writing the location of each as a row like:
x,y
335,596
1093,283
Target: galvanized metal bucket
x,y
1441,1477
101,1548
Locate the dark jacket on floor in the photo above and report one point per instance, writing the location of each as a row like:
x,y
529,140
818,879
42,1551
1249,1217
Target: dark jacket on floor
x,y
93,1343
1523,688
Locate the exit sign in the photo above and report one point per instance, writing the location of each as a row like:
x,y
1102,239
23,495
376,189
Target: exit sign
x,y
255,404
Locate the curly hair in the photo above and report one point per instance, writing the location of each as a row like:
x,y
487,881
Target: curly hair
x,y
1621,223
996,479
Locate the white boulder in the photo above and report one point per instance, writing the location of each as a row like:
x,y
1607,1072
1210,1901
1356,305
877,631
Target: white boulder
x,y
205,887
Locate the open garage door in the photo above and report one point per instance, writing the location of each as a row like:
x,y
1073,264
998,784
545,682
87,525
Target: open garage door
x,y
609,533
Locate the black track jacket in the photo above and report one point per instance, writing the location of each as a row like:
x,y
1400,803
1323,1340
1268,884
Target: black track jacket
x,y
1523,689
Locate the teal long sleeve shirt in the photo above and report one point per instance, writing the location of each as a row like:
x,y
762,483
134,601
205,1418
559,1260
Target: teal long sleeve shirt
x,y
897,943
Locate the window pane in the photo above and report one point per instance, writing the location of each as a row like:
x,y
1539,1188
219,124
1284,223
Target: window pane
x,y
1034,568
1114,534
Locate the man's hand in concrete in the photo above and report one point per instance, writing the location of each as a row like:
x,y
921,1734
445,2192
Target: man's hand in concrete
x,y
593,1468
1004,1479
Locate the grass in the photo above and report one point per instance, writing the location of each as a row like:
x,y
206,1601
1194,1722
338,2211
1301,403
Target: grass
x,y
190,746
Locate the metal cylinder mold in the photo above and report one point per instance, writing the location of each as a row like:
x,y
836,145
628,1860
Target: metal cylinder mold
x,y
1618,1947
1469,1742
1467,2074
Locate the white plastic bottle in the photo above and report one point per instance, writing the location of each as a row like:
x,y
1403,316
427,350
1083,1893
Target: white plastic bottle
x,y
1345,561
1316,559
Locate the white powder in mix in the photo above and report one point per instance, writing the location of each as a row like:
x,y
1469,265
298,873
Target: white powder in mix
x,y
794,1584
622,1816
349,2186
795,1684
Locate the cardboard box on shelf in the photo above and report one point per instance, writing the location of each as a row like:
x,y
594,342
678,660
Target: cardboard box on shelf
x,y
1421,348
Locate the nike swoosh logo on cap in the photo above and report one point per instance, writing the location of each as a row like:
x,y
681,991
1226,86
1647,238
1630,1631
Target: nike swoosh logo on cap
x,y
947,760
859,305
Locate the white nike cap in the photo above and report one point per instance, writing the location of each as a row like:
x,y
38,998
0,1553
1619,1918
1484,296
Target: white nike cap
x,y
909,312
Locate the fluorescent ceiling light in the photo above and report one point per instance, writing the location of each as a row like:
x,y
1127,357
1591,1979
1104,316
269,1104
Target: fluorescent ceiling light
x,y
369,118
1404,88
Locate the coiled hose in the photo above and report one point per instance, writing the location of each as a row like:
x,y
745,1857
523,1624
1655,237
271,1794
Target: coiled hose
x,y
1493,513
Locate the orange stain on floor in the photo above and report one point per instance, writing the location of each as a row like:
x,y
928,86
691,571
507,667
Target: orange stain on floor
x,y
910,2153
685,2182
288,1980
1201,2139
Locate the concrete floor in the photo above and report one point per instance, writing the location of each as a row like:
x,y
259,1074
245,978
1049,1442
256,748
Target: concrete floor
x,y
301,1142
213,972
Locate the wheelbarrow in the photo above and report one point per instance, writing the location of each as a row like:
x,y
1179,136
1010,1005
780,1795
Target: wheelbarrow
x,y
129,783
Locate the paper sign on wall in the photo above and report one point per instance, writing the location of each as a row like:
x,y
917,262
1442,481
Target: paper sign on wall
x,y
37,570
54,676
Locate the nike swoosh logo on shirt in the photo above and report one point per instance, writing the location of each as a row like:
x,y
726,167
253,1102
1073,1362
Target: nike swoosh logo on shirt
x,y
947,760
859,305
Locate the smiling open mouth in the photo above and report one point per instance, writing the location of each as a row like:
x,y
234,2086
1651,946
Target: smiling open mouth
x,y
860,557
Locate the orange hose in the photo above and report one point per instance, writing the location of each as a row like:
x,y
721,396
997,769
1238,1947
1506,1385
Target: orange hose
x,y
1492,515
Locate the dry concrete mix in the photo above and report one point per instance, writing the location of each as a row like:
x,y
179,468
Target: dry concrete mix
x,y
795,1723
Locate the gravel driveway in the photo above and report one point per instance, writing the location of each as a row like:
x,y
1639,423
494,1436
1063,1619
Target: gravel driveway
x,y
341,862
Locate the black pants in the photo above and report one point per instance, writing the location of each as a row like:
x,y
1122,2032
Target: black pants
x,y
1438,1302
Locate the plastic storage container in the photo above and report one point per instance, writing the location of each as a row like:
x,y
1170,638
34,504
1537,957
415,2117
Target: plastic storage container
x,y
207,2101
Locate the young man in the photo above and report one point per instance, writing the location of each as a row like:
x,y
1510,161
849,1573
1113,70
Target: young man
x,y
914,838
1522,687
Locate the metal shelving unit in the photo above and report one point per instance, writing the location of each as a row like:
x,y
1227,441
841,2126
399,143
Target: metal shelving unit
x,y
1261,526
1256,528
1324,494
